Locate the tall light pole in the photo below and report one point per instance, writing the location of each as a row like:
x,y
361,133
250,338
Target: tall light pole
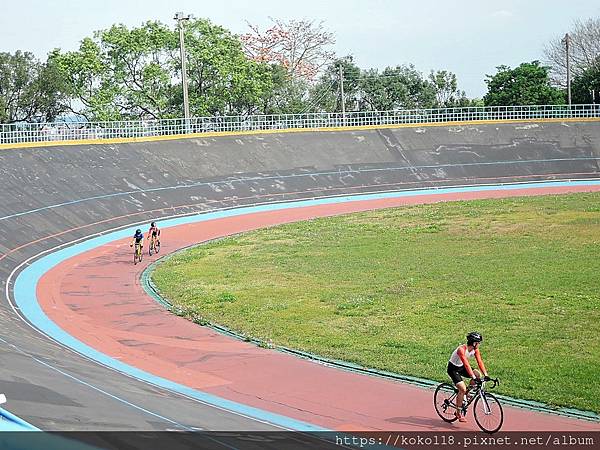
x,y
181,18
567,42
342,99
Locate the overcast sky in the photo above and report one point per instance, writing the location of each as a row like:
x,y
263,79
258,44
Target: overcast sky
x,y
468,37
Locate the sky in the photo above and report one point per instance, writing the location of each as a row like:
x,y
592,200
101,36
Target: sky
x,y
469,38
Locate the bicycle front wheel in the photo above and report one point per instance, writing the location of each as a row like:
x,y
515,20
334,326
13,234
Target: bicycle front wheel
x,y
444,400
488,413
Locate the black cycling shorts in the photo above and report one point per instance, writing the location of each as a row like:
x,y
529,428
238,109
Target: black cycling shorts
x,y
457,372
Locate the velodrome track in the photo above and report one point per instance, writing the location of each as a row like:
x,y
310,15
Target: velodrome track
x,y
56,196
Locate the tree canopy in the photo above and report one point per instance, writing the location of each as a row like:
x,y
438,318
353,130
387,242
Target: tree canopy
x,y
399,87
123,73
447,94
120,73
586,86
29,90
527,84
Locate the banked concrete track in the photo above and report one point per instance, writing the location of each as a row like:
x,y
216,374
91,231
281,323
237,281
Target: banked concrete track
x,y
53,196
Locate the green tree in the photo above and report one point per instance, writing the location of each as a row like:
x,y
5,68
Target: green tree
x,y
325,94
222,79
528,84
290,96
586,87
446,90
123,73
400,87
281,94
49,93
29,89
139,63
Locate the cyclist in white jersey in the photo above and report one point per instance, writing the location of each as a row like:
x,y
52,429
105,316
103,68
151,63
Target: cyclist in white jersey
x,y
458,367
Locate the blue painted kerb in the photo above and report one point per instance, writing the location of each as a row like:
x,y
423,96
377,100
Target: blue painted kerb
x,y
27,280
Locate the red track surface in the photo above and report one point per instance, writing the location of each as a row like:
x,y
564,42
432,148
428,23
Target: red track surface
x,y
97,297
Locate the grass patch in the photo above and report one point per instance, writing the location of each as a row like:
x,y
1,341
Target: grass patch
x,y
398,289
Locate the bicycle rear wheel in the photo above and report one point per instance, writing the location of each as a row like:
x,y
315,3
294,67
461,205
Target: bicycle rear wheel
x,y
443,400
488,413
150,248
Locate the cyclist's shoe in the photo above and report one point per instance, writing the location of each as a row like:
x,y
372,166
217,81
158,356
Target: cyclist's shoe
x,y
486,378
460,417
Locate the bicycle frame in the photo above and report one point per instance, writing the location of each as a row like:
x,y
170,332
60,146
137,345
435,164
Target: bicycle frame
x,y
153,244
472,393
137,252
481,393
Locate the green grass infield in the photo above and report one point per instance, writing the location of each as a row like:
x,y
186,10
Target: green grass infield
x,y
398,289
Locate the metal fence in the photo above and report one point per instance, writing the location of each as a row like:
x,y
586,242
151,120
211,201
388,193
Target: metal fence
x,y
40,132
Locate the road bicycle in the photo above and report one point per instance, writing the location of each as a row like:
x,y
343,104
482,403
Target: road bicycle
x,y
137,254
487,409
154,246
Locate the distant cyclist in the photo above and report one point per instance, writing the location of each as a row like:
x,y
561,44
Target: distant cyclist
x,y
154,232
138,238
459,367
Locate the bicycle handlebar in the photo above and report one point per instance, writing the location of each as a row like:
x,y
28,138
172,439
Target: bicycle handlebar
x,y
479,382
496,382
